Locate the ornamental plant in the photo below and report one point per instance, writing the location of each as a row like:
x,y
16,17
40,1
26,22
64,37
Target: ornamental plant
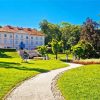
x,y
42,50
55,47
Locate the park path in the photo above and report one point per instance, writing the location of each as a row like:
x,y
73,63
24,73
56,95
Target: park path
x,y
38,87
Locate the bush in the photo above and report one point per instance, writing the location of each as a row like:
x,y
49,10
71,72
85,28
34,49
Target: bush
x,y
42,50
77,51
49,50
89,51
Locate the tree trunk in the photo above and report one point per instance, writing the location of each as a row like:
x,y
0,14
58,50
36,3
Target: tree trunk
x,y
56,56
66,57
73,57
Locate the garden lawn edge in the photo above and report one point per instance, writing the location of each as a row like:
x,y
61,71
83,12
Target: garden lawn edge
x,y
55,89
21,82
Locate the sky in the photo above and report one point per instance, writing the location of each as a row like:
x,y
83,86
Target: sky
x,y
29,13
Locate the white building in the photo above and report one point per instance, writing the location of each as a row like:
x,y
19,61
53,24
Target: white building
x,y
12,37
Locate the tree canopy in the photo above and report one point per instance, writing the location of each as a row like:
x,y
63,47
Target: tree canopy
x,y
84,39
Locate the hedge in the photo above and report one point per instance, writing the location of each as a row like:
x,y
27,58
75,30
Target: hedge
x,y
7,50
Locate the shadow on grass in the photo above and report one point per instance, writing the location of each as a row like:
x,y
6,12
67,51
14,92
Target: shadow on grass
x,y
18,66
3,55
64,60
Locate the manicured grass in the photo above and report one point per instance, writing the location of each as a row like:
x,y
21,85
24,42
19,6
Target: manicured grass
x,y
13,71
81,83
61,57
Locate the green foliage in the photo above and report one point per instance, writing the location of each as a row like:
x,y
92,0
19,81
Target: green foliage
x,y
65,32
55,46
70,34
90,33
67,52
42,50
89,51
77,50
51,30
81,83
84,49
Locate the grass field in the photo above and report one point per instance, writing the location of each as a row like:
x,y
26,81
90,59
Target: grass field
x,y
61,57
81,83
13,71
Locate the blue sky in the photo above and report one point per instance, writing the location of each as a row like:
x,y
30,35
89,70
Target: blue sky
x,y
28,13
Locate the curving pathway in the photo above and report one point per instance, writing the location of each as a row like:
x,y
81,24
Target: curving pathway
x,y
39,87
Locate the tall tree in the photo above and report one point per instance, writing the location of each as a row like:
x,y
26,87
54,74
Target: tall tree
x,y
67,33
70,34
89,32
50,30
55,47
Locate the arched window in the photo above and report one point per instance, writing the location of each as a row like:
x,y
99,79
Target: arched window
x,y
26,37
31,37
5,35
21,36
10,36
16,36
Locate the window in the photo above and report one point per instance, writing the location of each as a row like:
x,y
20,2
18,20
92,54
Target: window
x,y
31,37
26,37
32,42
21,36
36,38
11,41
36,42
16,42
26,41
5,35
41,42
5,41
10,36
16,36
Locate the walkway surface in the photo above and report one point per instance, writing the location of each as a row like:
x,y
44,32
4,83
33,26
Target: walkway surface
x,y
39,87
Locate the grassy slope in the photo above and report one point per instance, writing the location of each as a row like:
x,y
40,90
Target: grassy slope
x,y
13,71
81,83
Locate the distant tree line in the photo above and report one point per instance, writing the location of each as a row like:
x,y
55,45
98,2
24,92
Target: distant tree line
x,y
67,33
82,40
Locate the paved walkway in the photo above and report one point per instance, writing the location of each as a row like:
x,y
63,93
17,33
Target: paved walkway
x,y
39,87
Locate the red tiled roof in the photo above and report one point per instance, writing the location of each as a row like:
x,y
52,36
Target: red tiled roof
x,y
18,29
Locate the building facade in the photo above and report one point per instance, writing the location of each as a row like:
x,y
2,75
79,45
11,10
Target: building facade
x,y
14,37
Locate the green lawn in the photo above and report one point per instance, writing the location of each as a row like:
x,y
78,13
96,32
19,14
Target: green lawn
x,y
81,83
13,71
61,56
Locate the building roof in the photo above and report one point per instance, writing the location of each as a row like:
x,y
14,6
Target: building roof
x,y
12,29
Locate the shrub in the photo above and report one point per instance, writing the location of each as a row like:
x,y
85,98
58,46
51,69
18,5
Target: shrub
x,y
88,50
42,50
77,50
